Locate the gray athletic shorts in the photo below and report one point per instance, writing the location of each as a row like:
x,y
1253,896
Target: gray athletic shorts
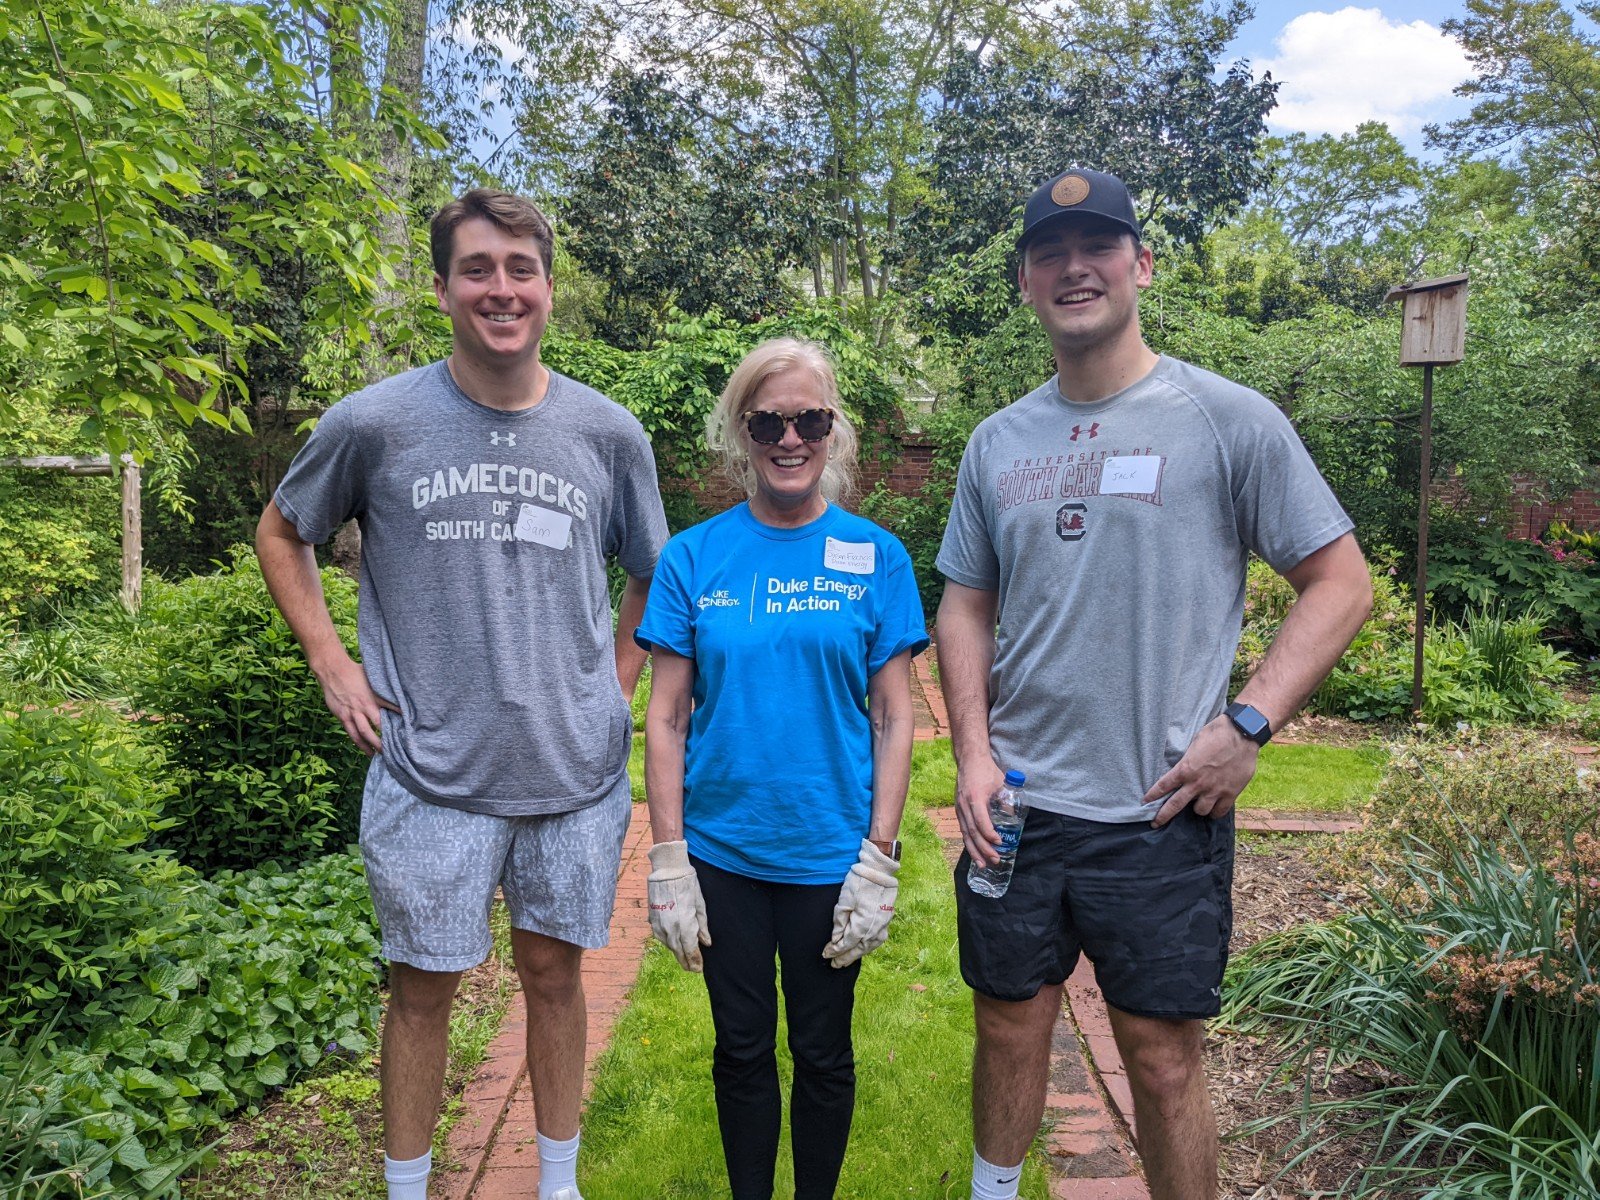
x,y
433,871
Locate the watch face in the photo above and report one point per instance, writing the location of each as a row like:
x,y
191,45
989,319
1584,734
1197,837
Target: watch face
x,y
1249,722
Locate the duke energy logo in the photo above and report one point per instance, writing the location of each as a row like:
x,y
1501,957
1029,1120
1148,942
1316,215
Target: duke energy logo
x,y
718,599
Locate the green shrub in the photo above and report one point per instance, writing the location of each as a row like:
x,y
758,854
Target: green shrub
x,y
262,770
273,971
1372,682
1497,569
80,796
59,534
1491,667
1438,791
1475,998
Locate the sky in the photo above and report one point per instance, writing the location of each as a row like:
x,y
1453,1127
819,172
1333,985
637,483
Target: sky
x,y
1339,66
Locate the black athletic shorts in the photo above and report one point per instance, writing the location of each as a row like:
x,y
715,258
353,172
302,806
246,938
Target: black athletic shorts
x,y
1152,908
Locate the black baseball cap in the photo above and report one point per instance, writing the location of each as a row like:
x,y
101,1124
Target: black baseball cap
x,y
1078,193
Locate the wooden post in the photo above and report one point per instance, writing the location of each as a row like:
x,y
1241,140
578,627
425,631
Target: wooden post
x,y
1433,330
132,537
1422,540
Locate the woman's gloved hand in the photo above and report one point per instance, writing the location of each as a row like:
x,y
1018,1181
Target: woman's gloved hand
x,y
677,910
866,902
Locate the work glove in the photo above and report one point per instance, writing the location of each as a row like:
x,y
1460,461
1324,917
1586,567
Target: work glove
x,y
677,909
866,902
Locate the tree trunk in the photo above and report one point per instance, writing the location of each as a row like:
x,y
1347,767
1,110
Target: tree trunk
x,y
863,257
891,228
402,78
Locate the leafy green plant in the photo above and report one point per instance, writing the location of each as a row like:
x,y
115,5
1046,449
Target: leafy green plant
x,y
41,1156
262,770
81,794
1473,990
1492,668
1372,681
76,655
271,972
1496,569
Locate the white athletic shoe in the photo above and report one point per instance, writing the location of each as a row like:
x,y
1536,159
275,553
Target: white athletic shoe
x,y
567,1194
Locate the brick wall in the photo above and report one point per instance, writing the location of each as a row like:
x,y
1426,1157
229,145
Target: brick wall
x,y
905,471
1531,513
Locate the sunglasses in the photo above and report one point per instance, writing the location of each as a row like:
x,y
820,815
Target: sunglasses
x,y
767,428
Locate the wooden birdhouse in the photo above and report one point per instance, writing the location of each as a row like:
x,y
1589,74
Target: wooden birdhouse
x,y
1434,330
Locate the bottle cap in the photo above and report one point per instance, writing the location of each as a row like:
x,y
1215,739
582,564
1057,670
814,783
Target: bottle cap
x,y
1015,779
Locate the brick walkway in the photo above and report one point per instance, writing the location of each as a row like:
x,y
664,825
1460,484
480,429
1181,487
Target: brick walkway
x,y
1090,1144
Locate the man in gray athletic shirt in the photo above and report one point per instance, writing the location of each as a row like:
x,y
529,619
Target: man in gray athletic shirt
x,y
490,491
1095,563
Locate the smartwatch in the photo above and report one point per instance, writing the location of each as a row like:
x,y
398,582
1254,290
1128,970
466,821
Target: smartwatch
x,y
1249,722
889,847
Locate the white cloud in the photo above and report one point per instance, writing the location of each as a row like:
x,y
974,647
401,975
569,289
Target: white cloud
x,y
1341,68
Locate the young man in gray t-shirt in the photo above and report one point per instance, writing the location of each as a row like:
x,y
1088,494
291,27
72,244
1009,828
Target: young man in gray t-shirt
x,y
491,691
1095,563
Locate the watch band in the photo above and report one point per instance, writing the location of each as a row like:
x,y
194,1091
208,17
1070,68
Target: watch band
x,y
891,847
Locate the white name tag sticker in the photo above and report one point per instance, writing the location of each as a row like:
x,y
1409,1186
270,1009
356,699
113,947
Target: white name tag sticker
x,y
1131,475
859,558
544,526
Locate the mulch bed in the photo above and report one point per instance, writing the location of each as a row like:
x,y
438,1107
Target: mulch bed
x,y
1275,887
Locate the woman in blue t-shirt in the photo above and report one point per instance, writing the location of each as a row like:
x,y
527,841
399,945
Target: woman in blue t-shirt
x,y
777,755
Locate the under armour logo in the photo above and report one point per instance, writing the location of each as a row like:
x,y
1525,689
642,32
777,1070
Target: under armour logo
x,y
495,439
1092,431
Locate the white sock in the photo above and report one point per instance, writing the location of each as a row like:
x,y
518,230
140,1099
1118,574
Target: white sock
x,y
408,1178
558,1165
990,1182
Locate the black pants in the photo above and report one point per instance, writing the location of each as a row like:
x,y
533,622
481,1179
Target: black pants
x,y
750,921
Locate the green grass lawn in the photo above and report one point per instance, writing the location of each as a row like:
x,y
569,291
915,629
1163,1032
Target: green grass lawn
x,y
650,1129
1289,778
1308,778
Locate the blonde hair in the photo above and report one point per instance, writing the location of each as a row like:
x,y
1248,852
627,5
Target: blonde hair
x,y
770,358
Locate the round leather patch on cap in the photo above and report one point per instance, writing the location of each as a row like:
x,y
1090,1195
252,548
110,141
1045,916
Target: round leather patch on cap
x,y
1070,190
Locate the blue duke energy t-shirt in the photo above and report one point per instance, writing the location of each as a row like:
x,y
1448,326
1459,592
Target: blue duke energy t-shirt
x,y
785,627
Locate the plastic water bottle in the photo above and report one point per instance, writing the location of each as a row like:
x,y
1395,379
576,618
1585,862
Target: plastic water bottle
x,y
1007,810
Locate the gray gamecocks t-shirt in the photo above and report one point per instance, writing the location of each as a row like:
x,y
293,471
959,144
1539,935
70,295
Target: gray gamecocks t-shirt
x,y
1117,536
484,612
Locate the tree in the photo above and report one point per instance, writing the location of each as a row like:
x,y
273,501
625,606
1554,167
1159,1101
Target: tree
x,y
1131,91
849,78
676,209
125,140
1537,87
1351,188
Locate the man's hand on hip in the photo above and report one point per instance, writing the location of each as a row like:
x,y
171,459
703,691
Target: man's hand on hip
x,y
350,697
1217,766
975,783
